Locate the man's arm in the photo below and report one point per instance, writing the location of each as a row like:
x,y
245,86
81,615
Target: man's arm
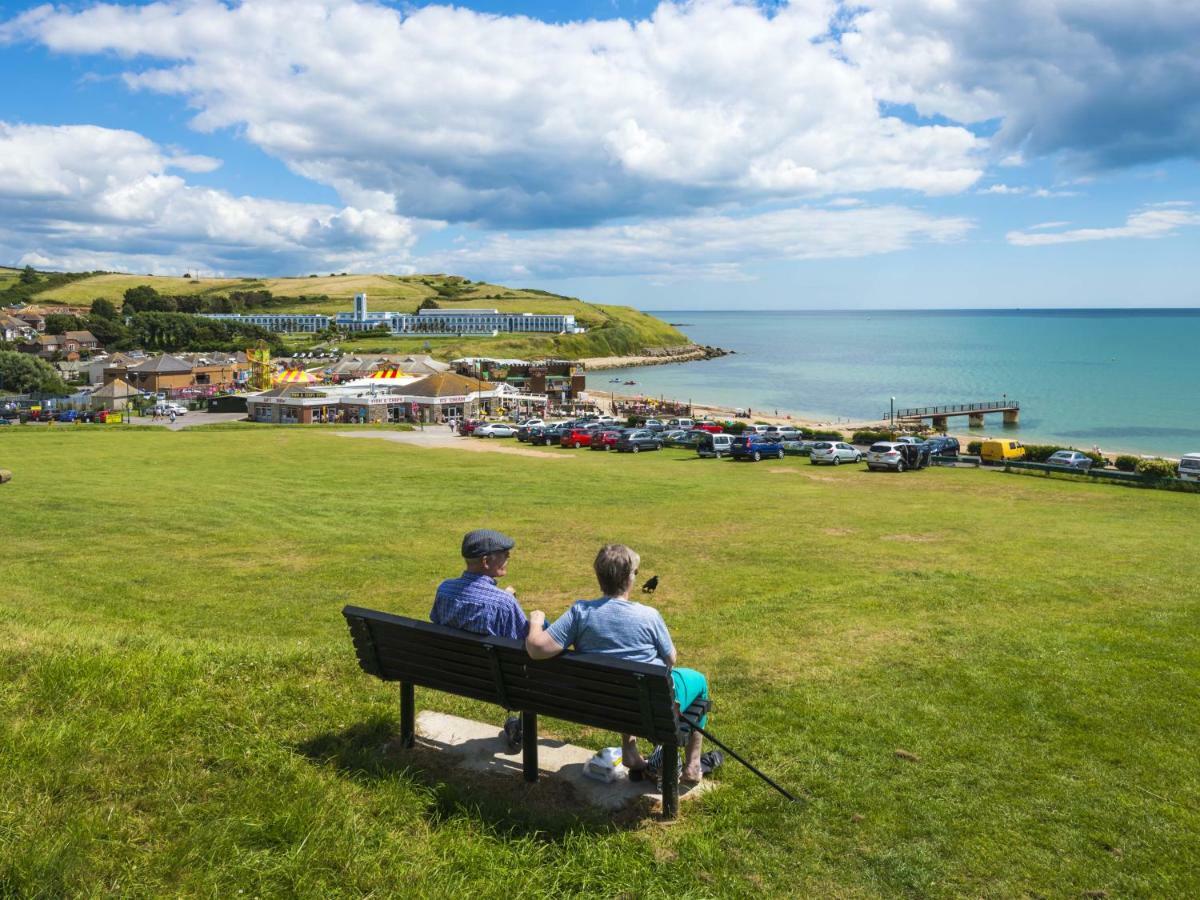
x,y
539,644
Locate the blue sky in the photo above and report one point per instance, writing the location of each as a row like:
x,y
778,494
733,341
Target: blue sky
x,y
891,153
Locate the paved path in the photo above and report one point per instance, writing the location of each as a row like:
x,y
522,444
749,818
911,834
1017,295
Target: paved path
x,y
190,418
441,438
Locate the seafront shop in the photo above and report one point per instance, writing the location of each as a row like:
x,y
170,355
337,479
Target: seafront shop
x,y
430,400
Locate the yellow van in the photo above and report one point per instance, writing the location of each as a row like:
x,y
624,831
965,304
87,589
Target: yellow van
x,y
1000,451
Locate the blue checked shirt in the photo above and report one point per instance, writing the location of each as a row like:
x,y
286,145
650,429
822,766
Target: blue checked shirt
x,y
474,603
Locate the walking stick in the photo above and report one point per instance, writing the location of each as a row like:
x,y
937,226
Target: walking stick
x,y
734,754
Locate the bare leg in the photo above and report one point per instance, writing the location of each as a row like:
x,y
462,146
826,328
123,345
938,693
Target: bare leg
x,y
691,764
631,757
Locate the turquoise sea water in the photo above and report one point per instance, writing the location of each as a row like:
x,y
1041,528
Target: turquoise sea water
x,y
1120,379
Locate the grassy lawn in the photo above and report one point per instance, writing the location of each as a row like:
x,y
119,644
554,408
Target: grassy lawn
x,y
181,712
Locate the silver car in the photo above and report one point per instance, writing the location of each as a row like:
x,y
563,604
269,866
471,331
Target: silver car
x,y
833,452
1071,459
886,455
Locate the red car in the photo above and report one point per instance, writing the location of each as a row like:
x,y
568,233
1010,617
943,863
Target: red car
x,y
576,437
467,427
605,439
710,427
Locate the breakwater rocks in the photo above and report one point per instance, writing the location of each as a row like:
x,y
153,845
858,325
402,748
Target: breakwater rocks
x,y
657,356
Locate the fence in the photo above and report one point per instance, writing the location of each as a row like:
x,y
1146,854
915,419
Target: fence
x,y
1111,475
988,406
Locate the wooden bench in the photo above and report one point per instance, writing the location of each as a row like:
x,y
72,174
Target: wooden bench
x,y
626,697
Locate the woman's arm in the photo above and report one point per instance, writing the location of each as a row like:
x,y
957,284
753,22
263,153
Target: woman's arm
x,y
539,644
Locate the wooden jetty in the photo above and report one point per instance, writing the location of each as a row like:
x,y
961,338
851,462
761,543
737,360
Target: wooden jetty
x,y
974,411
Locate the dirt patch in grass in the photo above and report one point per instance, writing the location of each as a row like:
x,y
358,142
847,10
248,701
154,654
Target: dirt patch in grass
x,y
839,532
912,538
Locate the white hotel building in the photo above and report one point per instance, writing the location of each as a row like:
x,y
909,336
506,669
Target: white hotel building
x,y
423,322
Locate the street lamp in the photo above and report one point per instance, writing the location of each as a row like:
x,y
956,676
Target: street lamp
x,y
893,413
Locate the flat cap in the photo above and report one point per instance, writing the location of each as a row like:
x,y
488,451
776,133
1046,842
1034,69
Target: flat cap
x,y
483,541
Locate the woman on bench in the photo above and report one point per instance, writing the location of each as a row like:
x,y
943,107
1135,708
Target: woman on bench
x,y
616,626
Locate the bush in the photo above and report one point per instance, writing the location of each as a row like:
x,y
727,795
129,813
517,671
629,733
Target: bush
x,y
974,448
1040,452
1127,463
1099,460
1156,468
871,437
735,428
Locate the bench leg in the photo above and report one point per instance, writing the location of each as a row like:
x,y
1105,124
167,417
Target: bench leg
x,y
408,715
670,781
529,745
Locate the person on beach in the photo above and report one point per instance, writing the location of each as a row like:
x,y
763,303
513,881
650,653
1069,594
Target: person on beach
x,y
616,626
473,602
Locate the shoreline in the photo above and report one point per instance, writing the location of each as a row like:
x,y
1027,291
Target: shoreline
x,y
702,410
667,356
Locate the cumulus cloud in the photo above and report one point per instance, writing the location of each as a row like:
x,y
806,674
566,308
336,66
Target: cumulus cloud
x,y
80,196
1155,221
451,114
713,247
1107,82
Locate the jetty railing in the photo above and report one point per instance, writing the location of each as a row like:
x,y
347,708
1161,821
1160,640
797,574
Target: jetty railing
x,y
959,408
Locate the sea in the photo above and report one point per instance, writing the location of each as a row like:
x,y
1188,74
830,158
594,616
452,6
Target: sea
x,y
1123,380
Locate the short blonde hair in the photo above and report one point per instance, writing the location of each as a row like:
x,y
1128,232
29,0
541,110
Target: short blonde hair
x,y
615,567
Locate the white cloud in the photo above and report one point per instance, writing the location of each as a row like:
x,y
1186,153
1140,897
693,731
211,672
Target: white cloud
x,y
1155,221
710,247
1109,82
80,196
1041,225
1004,189
446,113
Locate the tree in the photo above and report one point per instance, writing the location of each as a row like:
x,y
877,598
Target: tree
x,y
21,373
108,331
103,309
29,275
57,323
144,298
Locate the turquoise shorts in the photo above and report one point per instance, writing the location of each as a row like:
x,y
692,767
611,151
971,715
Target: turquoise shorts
x,y
690,686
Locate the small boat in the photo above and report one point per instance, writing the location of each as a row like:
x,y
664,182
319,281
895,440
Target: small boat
x,y
631,382
614,381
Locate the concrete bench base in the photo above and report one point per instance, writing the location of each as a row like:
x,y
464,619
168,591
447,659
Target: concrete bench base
x,y
480,747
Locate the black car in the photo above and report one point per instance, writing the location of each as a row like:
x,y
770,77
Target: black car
x,y
942,446
549,435
636,440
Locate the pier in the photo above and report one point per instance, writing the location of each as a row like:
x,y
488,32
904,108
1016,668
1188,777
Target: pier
x,y
974,411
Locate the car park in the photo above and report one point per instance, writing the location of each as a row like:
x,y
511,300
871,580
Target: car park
x,y
1071,459
834,453
636,440
495,430
755,447
714,446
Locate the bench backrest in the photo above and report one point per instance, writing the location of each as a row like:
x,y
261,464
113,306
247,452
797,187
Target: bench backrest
x,y
628,697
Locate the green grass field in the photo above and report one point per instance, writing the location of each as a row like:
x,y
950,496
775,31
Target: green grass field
x,y
181,712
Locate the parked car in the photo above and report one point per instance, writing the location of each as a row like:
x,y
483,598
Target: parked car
x,y
636,440
495,430
529,423
997,452
5,422
833,452
710,427
909,439
551,434
576,436
755,447
758,428
67,415
165,409
655,425
1072,459
1189,467
715,446
681,424
605,438
675,438
467,426
886,455
788,432
943,446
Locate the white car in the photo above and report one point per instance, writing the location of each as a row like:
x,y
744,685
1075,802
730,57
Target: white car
x,y
530,423
788,432
886,455
494,430
834,453
165,409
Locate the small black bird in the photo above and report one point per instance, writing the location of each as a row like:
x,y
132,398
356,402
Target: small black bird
x,y
650,586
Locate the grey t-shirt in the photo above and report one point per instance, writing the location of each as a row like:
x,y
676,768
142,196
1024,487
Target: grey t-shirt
x,y
614,627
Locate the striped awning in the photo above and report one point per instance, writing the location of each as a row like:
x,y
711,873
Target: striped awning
x,y
295,376
382,374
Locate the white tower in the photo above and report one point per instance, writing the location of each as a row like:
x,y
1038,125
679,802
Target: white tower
x,y
360,307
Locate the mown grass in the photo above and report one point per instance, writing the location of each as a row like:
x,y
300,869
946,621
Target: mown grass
x,y
182,713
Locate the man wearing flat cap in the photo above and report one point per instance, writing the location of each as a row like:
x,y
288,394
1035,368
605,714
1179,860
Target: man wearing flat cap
x,y
473,602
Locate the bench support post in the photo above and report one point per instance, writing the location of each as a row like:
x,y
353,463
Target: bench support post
x,y
408,715
529,748
670,780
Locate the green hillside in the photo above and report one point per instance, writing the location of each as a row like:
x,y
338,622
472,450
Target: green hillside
x,y
612,330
